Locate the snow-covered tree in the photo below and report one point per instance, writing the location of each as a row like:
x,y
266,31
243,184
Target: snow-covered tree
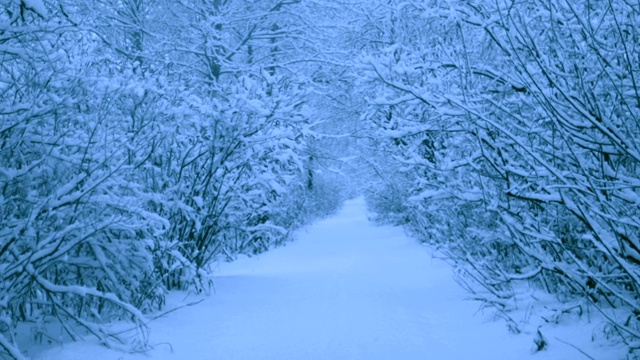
x,y
512,127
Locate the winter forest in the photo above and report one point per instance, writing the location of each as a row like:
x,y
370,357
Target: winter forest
x,y
143,140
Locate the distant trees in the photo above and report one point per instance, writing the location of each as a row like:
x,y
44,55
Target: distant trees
x,y
515,127
139,142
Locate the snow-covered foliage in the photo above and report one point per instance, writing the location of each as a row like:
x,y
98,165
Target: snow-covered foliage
x,y
514,127
140,141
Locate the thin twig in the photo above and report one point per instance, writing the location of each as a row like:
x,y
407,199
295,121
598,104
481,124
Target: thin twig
x,y
158,316
575,347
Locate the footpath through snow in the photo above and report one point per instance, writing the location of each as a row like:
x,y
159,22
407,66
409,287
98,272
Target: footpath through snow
x,y
346,289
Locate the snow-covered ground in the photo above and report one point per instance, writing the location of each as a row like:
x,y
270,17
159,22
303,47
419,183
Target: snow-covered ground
x,y
346,289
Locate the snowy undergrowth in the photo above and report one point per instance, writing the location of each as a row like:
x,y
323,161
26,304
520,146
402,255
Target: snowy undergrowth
x,y
549,322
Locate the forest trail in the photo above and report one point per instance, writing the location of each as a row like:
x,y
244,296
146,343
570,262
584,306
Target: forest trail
x,y
345,289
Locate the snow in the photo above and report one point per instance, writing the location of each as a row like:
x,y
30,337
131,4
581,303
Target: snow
x,y
346,289
37,6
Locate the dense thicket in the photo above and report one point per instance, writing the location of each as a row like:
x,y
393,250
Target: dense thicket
x,y
141,140
511,139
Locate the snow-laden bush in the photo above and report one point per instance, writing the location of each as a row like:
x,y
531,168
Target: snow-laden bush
x,y
133,155
519,123
75,238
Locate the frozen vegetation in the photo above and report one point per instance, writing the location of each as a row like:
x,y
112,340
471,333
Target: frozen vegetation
x,y
143,143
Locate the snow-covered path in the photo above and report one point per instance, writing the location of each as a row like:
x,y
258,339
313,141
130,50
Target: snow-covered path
x,y
346,289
